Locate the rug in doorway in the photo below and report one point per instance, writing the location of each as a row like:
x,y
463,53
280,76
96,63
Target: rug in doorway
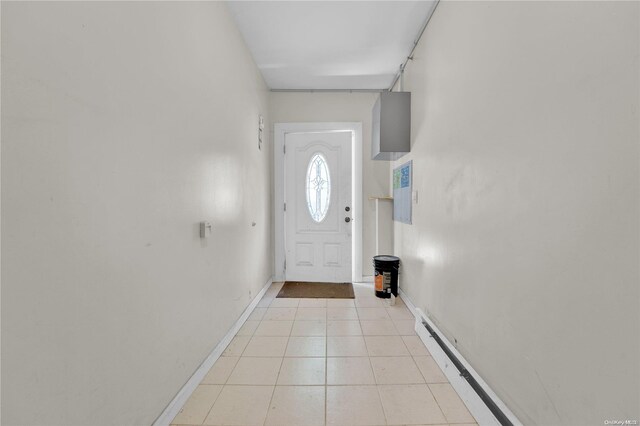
x,y
311,290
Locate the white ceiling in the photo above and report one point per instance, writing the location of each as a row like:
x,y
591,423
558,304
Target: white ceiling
x,y
330,44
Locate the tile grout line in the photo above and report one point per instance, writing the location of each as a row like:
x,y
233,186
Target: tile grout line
x,y
326,366
384,413
273,392
223,385
250,337
214,403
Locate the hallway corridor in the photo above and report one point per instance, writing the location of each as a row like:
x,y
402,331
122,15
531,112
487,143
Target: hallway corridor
x,y
165,164
325,361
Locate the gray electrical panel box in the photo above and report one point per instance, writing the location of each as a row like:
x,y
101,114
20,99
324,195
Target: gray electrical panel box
x,y
391,134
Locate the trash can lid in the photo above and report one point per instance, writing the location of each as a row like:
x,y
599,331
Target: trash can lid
x,y
386,258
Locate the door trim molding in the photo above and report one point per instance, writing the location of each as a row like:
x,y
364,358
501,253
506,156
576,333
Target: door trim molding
x,y
280,131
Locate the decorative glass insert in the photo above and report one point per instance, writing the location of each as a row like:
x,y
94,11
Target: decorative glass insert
x,y
318,187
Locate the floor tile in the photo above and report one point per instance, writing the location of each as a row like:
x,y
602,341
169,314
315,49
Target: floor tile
x,y
454,424
343,328
369,302
386,346
364,290
262,346
340,303
236,346
346,346
342,314
276,286
350,371
415,346
313,303
309,328
378,328
306,314
274,328
399,312
257,314
265,301
221,370
306,347
284,302
373,314
354,406
241,405
450,403
280,314
297,406
400,302
198,405
248,328
409,404
302,371
405,327
271,293
255,371
430,370
395,370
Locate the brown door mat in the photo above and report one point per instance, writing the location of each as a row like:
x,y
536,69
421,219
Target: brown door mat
x,y
309,290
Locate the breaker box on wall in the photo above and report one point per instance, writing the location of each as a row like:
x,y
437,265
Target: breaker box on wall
x,y
391,134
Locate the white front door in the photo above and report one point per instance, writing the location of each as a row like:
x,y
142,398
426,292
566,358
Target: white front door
x,y
318,214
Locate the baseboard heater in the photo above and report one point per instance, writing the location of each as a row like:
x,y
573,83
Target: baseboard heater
x,y
465,374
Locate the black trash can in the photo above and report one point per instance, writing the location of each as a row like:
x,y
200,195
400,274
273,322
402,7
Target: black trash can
x,y
386,275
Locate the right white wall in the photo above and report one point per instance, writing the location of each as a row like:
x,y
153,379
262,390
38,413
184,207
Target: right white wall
x,y
524,247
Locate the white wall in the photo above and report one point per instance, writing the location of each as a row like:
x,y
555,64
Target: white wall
x,y
123,126
524,244
295,107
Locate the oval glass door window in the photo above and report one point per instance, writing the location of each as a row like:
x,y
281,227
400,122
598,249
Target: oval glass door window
x,y
318,187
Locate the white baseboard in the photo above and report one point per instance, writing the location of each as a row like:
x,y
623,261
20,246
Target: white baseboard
x,y
183,394
474,404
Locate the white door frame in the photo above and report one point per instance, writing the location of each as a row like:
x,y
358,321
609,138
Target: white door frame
x,y
280,131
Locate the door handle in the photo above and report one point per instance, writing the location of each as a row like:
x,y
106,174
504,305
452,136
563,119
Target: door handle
x,y
347,219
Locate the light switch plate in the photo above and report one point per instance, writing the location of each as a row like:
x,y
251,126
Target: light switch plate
x,y
205,229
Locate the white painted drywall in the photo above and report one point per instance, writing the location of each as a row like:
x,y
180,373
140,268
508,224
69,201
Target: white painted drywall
x,y
342,107
330,44
524,244
123,126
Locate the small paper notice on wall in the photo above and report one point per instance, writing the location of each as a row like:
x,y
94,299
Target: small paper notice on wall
x,y
402,184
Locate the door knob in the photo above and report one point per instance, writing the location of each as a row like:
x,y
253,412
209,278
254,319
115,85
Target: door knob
x,y
346,209
347,219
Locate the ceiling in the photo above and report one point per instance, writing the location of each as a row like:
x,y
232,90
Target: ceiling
x,y
330,44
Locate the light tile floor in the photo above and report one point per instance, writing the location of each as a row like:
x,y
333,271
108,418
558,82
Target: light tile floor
x,y
325,362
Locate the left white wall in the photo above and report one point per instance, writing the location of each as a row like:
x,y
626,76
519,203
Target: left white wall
x,y
123,126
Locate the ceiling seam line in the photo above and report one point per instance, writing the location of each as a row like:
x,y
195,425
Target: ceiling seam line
x,y
329,90
415,44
